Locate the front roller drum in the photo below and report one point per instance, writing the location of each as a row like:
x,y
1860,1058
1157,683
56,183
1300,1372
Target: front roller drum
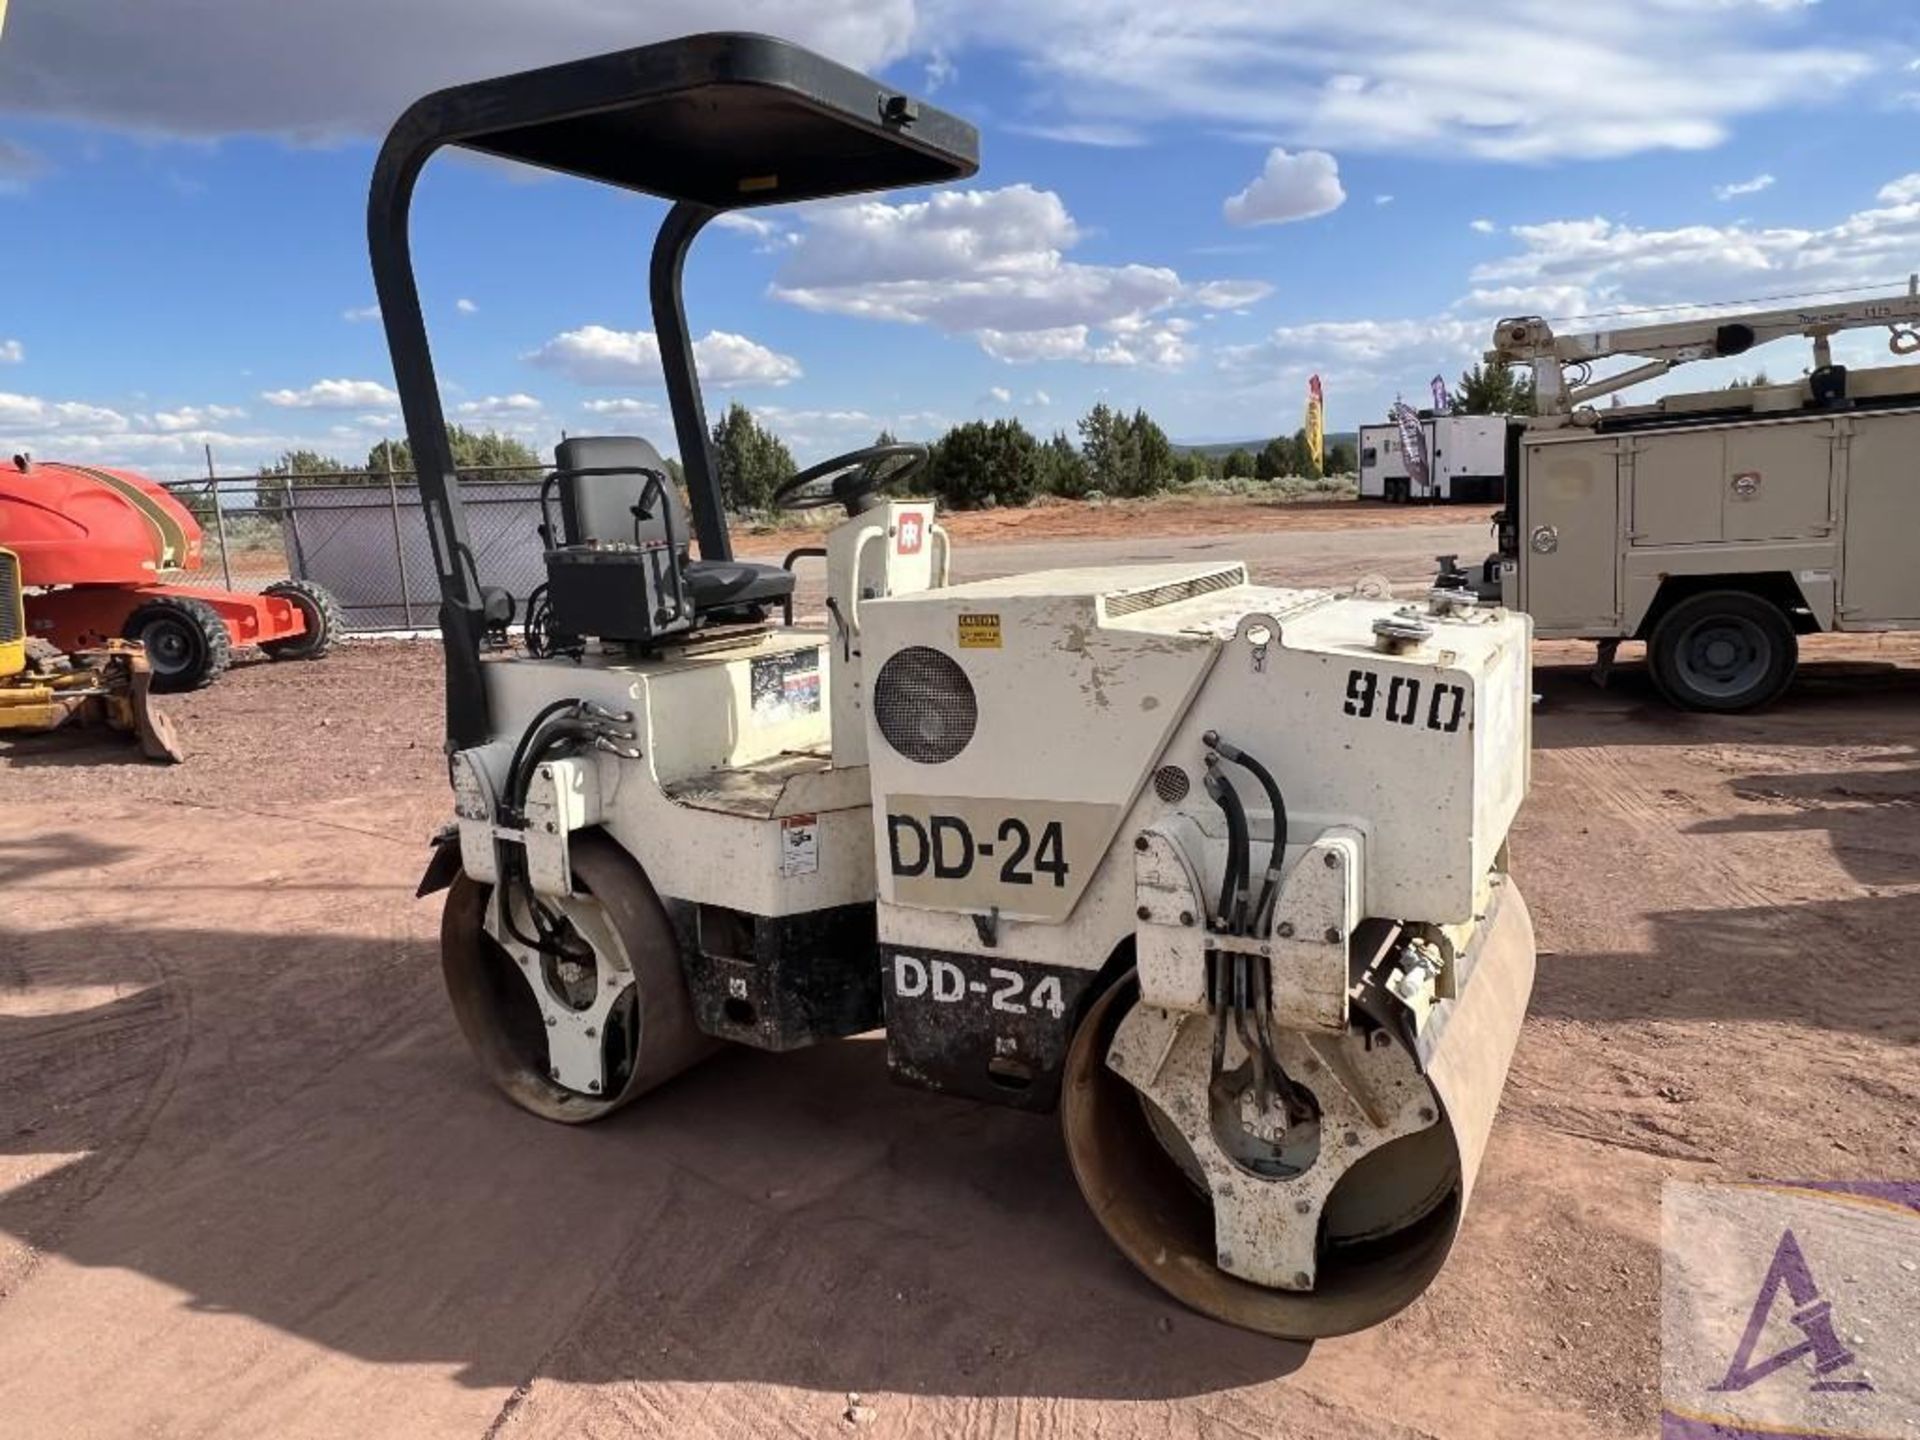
x,y
1378,1239
648,1036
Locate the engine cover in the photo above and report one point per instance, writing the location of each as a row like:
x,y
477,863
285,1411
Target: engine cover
x,y
1019,724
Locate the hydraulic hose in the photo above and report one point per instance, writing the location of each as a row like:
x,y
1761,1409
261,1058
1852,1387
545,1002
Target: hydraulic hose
x,y
1277,856
1239,849
526,739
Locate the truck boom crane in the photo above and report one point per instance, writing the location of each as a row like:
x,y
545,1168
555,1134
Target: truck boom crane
x,y
1530,340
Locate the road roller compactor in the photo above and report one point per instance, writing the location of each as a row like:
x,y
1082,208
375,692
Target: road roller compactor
x,y
1214,869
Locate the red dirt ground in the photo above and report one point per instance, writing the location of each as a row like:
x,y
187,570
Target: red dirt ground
x,y
251,1184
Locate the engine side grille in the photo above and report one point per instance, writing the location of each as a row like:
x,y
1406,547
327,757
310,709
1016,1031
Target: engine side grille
x,y
10,628
924,705
1158,595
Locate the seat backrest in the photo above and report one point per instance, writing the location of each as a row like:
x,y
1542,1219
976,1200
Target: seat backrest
x,y
600,507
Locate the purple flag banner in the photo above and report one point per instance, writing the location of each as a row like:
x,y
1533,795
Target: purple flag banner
x,y
1413,443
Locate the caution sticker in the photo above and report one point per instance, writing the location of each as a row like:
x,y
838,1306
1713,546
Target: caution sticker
x,y
979,632
799,846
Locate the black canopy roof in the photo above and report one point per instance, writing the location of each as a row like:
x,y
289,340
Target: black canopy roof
x,y
723,120
710,123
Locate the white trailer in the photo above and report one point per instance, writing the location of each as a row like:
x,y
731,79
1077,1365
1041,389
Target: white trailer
x,y
1467,460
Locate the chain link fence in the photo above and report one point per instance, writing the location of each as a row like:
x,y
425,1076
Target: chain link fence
x,y
363,536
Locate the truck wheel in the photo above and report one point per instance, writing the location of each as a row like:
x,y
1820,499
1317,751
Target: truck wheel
x,y
186,642
1724,651
322,614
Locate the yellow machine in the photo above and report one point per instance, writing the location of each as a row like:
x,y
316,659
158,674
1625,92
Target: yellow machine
x,y
43,691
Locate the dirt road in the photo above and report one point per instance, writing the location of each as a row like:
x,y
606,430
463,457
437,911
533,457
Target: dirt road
x,y
251,1185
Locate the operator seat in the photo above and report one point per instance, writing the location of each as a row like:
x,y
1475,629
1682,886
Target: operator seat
x,y
602,508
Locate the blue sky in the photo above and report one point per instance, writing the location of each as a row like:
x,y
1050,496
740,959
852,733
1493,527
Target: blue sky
x,y
1188,211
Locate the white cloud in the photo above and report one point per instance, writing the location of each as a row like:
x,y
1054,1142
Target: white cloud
x,y
1228,294
624,407
163,443
1903,191
746,222
1743,187
332,395
1514,80
940,71
195,417
999,395
517,406
12,352
1039,399
1102,135
21,414
1566,269
1288,187
1619,264
1482,227
466,306
1382,76
1065,342
360,313
350,66
597,355
1383,199
991,264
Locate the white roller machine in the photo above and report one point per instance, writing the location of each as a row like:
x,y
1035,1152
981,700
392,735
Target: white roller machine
x,y
1215,869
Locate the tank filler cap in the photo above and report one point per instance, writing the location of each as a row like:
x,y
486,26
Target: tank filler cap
x,y
1405,629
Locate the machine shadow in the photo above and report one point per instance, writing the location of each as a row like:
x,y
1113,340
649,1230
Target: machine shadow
x,y
1870,817
1843,965
349,1179
71,747
1874,696
39,856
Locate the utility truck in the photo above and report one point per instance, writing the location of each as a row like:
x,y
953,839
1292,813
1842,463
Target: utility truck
x,y
1717,526
1217,870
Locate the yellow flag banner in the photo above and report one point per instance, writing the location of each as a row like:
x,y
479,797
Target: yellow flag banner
x,y
1317,425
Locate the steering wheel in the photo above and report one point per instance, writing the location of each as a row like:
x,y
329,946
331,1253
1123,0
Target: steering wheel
x,y
850,478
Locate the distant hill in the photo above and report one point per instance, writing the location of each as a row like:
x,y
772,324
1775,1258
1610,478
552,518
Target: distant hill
x,y
1218,449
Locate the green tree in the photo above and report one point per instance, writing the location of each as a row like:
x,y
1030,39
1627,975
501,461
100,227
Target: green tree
x,y
1277,460
306,469
1189,466
1239,464
474,451
1103,444
1494,390
1126,454
1341,460
1063,469
751,460
979,465
1153,457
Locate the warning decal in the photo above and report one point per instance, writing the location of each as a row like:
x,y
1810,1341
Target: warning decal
x,y
979,632
785,685
799,846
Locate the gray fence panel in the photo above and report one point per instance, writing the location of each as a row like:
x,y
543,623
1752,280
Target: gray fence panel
x,y
368,546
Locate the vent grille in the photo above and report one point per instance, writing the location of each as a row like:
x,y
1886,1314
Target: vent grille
x,y
10,630
1158,595
1171,784
924,705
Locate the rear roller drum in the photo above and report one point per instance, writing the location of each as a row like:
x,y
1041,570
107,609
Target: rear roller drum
x,y
572,1038
1319,1222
